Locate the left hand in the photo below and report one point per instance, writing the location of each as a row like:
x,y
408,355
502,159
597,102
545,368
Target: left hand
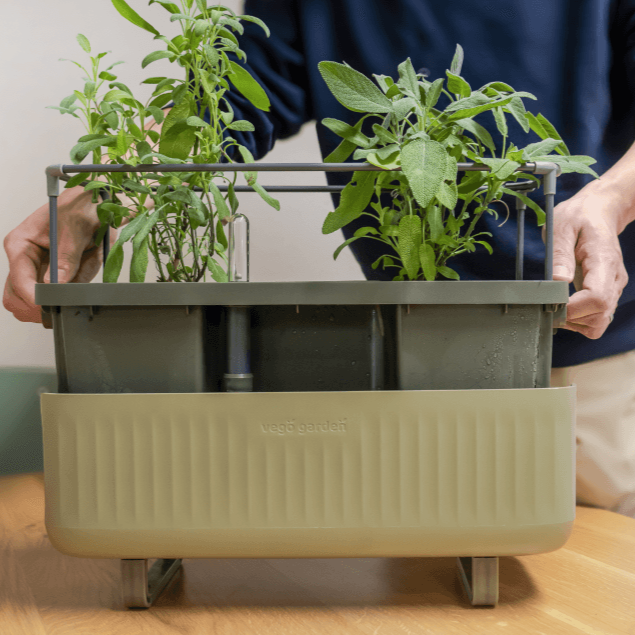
x,y
586,228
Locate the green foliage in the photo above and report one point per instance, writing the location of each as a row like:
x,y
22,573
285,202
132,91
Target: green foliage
x,y
184,232
418,147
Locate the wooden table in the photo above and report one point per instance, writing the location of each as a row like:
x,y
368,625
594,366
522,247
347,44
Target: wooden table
x,y
587,587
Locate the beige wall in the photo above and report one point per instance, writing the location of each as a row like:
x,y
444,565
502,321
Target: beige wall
x,y
284,246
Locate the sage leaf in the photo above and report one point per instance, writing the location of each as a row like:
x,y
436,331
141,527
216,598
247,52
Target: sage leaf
x,y
177,141
354,200
408,78
250,176
448,195
242,126
542,147
424,164
83,42
156,55
448,273
133,16
157,114
218,273
135,186
81,150
266,197
434,92
341,153
196,122
171,7
435,223
219,201
347,242
501,168
457,60
501,123
403,106
353,90
458,85
114,263
384,135
517,110
476,110
479,132
248,86
350,133
258,21
139,261
427,260
409,243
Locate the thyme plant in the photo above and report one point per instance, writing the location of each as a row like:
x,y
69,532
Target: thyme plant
x,y
177,217
424,224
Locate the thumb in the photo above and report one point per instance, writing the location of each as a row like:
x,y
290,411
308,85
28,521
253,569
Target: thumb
x,y
66,268
564,264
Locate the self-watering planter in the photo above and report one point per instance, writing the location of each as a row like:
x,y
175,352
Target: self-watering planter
x,y
306,419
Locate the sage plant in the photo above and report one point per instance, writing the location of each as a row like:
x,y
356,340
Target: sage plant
x,y
418,147
178,217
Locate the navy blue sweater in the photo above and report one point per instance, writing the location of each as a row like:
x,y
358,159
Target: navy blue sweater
x,y
576,56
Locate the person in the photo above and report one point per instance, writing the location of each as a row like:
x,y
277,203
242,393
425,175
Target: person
x,y
577,58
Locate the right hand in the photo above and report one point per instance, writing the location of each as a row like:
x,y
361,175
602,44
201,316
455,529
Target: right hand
x,y
27,247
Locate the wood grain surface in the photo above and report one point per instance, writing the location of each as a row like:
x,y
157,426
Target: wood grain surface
x,y
587,587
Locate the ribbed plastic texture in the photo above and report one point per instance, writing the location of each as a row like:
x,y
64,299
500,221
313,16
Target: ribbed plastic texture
x,y
394,473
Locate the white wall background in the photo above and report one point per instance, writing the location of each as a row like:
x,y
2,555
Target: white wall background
x,y
286,245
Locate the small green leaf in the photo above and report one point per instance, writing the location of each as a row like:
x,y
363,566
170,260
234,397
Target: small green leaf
x,y
135,186
384,135
501,168
114,263
196,122
219,201
139,261
266,197
109,77
75,180
501,123
177,138
353,90
354,200
434,92
133,16
458,85
409,238
424,164
448,273
408,78
427,260
338,251
241,126
156,55
344,130
248,86
479,132
517,109
341,153
156,113
83,42
435,223
258,21
457,60
542,147
218,273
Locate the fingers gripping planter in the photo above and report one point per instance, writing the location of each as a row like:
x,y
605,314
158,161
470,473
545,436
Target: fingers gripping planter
x,y
307,419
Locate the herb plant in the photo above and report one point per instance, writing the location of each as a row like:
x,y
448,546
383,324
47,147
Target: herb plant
x,y
178,217
419,147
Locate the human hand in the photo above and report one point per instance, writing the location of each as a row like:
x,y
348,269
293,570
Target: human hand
x,y
586,228
27,247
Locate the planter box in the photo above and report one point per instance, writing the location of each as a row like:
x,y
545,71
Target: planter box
x,y
305,336
321,474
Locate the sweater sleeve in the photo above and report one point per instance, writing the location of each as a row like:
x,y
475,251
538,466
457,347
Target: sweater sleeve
x,y
278,64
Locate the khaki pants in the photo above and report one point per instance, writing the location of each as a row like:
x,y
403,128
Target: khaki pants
x,y
605,431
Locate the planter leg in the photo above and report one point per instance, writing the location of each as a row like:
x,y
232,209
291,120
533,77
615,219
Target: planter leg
x,y
142,587
480,579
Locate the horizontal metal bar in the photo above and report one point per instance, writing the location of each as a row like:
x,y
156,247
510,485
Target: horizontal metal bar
x,y
257,167
520,186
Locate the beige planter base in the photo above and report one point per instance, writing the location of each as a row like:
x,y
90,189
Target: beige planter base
x,y
320,474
